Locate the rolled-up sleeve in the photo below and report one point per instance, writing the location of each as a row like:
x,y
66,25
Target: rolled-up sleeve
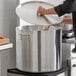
x,y
66,7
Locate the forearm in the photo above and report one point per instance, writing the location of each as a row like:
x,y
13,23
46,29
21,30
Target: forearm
x,y
67,21
51,11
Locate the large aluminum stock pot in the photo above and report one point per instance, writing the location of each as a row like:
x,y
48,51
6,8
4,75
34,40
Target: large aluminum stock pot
x,y
38,50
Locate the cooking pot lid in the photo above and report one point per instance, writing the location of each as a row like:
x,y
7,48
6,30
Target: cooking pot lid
x,y
28,12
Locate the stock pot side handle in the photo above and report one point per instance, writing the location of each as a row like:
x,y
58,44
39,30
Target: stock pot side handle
x,y
47,28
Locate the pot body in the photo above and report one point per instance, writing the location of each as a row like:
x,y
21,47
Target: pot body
x,y
67,30
38,50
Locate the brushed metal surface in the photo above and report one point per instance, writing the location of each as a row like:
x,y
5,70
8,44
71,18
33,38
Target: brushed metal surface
x,y
39,51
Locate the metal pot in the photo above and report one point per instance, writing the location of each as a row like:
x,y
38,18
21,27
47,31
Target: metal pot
x,y
67,30
38,50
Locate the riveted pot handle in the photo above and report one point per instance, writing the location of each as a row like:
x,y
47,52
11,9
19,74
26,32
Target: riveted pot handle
x,y
47,28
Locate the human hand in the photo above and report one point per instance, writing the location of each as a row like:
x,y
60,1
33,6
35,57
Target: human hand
x,y
44,11
41,11
67,21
